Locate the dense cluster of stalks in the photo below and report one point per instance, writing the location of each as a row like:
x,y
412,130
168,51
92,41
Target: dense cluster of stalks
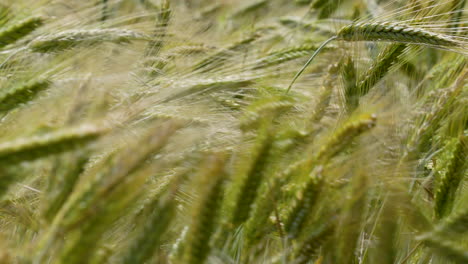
x,y
164,131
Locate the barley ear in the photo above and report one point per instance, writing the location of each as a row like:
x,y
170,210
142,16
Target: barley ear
x,y
253,178
351,92
61,140
381,66
149,238
10,98
453,225
205,209
311,245
75,38
344,136
449,172
304,203
349,226
446,248
19,30
159,37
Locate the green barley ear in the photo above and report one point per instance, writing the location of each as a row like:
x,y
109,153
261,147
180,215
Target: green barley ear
x,y
250,8
19,30
258,225
210,85
395,32
35,147
324,98
311,245
318,4
6,15
257,112
285,55
74,38
327,9
449,173
450,250
453,225
419,141
159,36
457,13
205,209
388,32
351,92
253,177
380,67
10,98
163,19
104,10
104,192
64,176
216,60
344,136
351,220
386,234
448,70
304,204
103,255
335,144
61,140
149,238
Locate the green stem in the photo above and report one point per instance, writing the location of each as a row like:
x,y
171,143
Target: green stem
x,y
309,61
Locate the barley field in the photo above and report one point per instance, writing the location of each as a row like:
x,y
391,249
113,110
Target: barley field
x,y
233,131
